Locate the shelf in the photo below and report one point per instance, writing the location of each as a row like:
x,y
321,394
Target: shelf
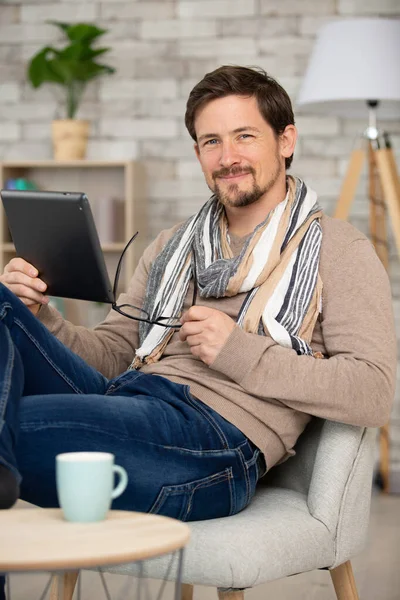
x,y
26,164
111,247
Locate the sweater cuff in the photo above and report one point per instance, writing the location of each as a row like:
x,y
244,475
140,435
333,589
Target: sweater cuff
x,y
47,315
240,353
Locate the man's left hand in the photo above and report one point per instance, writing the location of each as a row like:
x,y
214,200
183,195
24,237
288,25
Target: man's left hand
x,y
206,331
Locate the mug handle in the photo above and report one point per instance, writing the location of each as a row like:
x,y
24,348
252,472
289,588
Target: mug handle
x,y
123,482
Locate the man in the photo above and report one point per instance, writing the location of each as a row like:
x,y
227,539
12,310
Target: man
x,y
277,313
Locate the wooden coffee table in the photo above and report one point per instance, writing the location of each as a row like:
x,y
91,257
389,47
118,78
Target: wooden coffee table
x,y
39,539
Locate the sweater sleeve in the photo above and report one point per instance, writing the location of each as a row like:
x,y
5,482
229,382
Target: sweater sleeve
x,y
110,346
356,383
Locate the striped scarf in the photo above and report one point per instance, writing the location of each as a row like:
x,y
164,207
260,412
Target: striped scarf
x,y
277,267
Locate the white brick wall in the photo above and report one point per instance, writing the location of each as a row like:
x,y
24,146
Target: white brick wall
x,y
139,128
215,8
19,33
275,8
10,92
160,49
9,131
171,29
137,10
368,7
238,47
58,11
114,89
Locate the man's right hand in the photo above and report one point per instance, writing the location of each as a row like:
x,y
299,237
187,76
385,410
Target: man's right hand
x,y
22,279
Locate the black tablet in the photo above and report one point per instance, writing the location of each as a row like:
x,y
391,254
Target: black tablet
x,y
55,232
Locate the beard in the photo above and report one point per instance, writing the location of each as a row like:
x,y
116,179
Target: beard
x,y
233,196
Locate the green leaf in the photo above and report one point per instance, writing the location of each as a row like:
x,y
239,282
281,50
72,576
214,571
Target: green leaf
x,y
91,53
79,51
90,70
64,70
40,68
74,51
63,26
79,31
84,32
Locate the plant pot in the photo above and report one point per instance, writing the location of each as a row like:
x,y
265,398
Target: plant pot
x,y
70,137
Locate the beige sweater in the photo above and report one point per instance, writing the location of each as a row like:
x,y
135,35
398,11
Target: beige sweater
x,y
266,390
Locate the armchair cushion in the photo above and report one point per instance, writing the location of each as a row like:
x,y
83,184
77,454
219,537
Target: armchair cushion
x,y
273,537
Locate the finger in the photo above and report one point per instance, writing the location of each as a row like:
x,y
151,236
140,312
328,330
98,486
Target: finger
x,y
30,295
197,351
19,264
19,278
190,328
197,313
194,340
28,302
34,307
23,291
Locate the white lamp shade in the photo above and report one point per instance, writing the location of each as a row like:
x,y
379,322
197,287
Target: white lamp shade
x,y
353,61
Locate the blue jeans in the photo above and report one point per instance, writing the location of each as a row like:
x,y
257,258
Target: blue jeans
x,y
183,459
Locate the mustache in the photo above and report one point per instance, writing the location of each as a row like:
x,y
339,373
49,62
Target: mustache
x,y
226,172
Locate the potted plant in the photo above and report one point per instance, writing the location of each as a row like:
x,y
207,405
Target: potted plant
x,y
71,67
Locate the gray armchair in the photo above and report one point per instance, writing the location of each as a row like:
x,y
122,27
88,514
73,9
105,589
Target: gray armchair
x,y
309,513
312,512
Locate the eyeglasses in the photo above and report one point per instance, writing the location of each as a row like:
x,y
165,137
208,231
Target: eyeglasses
x,y
138,314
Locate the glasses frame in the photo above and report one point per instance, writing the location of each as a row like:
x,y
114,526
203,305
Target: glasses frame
x,y
159,320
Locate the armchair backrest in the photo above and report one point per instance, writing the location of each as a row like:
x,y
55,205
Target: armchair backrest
x,y
296,473
333,468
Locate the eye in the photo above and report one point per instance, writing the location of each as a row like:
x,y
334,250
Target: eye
x,y
246,135
210,142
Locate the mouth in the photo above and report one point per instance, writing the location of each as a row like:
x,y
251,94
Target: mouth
x,y
234,177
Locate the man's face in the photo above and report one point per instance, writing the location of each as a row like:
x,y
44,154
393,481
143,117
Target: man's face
x,y
238,150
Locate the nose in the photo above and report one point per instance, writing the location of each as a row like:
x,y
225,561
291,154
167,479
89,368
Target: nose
x,y
229,155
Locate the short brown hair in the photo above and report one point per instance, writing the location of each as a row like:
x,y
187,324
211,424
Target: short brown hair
x,y
273,101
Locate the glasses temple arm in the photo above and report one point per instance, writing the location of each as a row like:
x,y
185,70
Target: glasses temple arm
x,y
117,272
194,299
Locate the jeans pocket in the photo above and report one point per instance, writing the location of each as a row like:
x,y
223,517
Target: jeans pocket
x,y
207,498
209,414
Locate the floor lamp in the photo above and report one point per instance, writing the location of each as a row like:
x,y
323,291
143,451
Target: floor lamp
x,y
354,72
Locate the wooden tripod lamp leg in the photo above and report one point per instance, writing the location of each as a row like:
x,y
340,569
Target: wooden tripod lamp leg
x,y
391,188
392,162
378,231
377,209
384,446
390,183
350,184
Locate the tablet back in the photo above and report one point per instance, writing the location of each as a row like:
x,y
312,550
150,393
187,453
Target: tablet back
x,y
55,232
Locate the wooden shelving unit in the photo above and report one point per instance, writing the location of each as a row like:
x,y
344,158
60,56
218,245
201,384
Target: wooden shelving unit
x,y
117,183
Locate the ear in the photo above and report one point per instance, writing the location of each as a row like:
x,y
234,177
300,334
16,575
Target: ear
x,y
287,141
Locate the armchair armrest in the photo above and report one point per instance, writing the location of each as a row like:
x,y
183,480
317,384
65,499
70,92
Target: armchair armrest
x,y
340,488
